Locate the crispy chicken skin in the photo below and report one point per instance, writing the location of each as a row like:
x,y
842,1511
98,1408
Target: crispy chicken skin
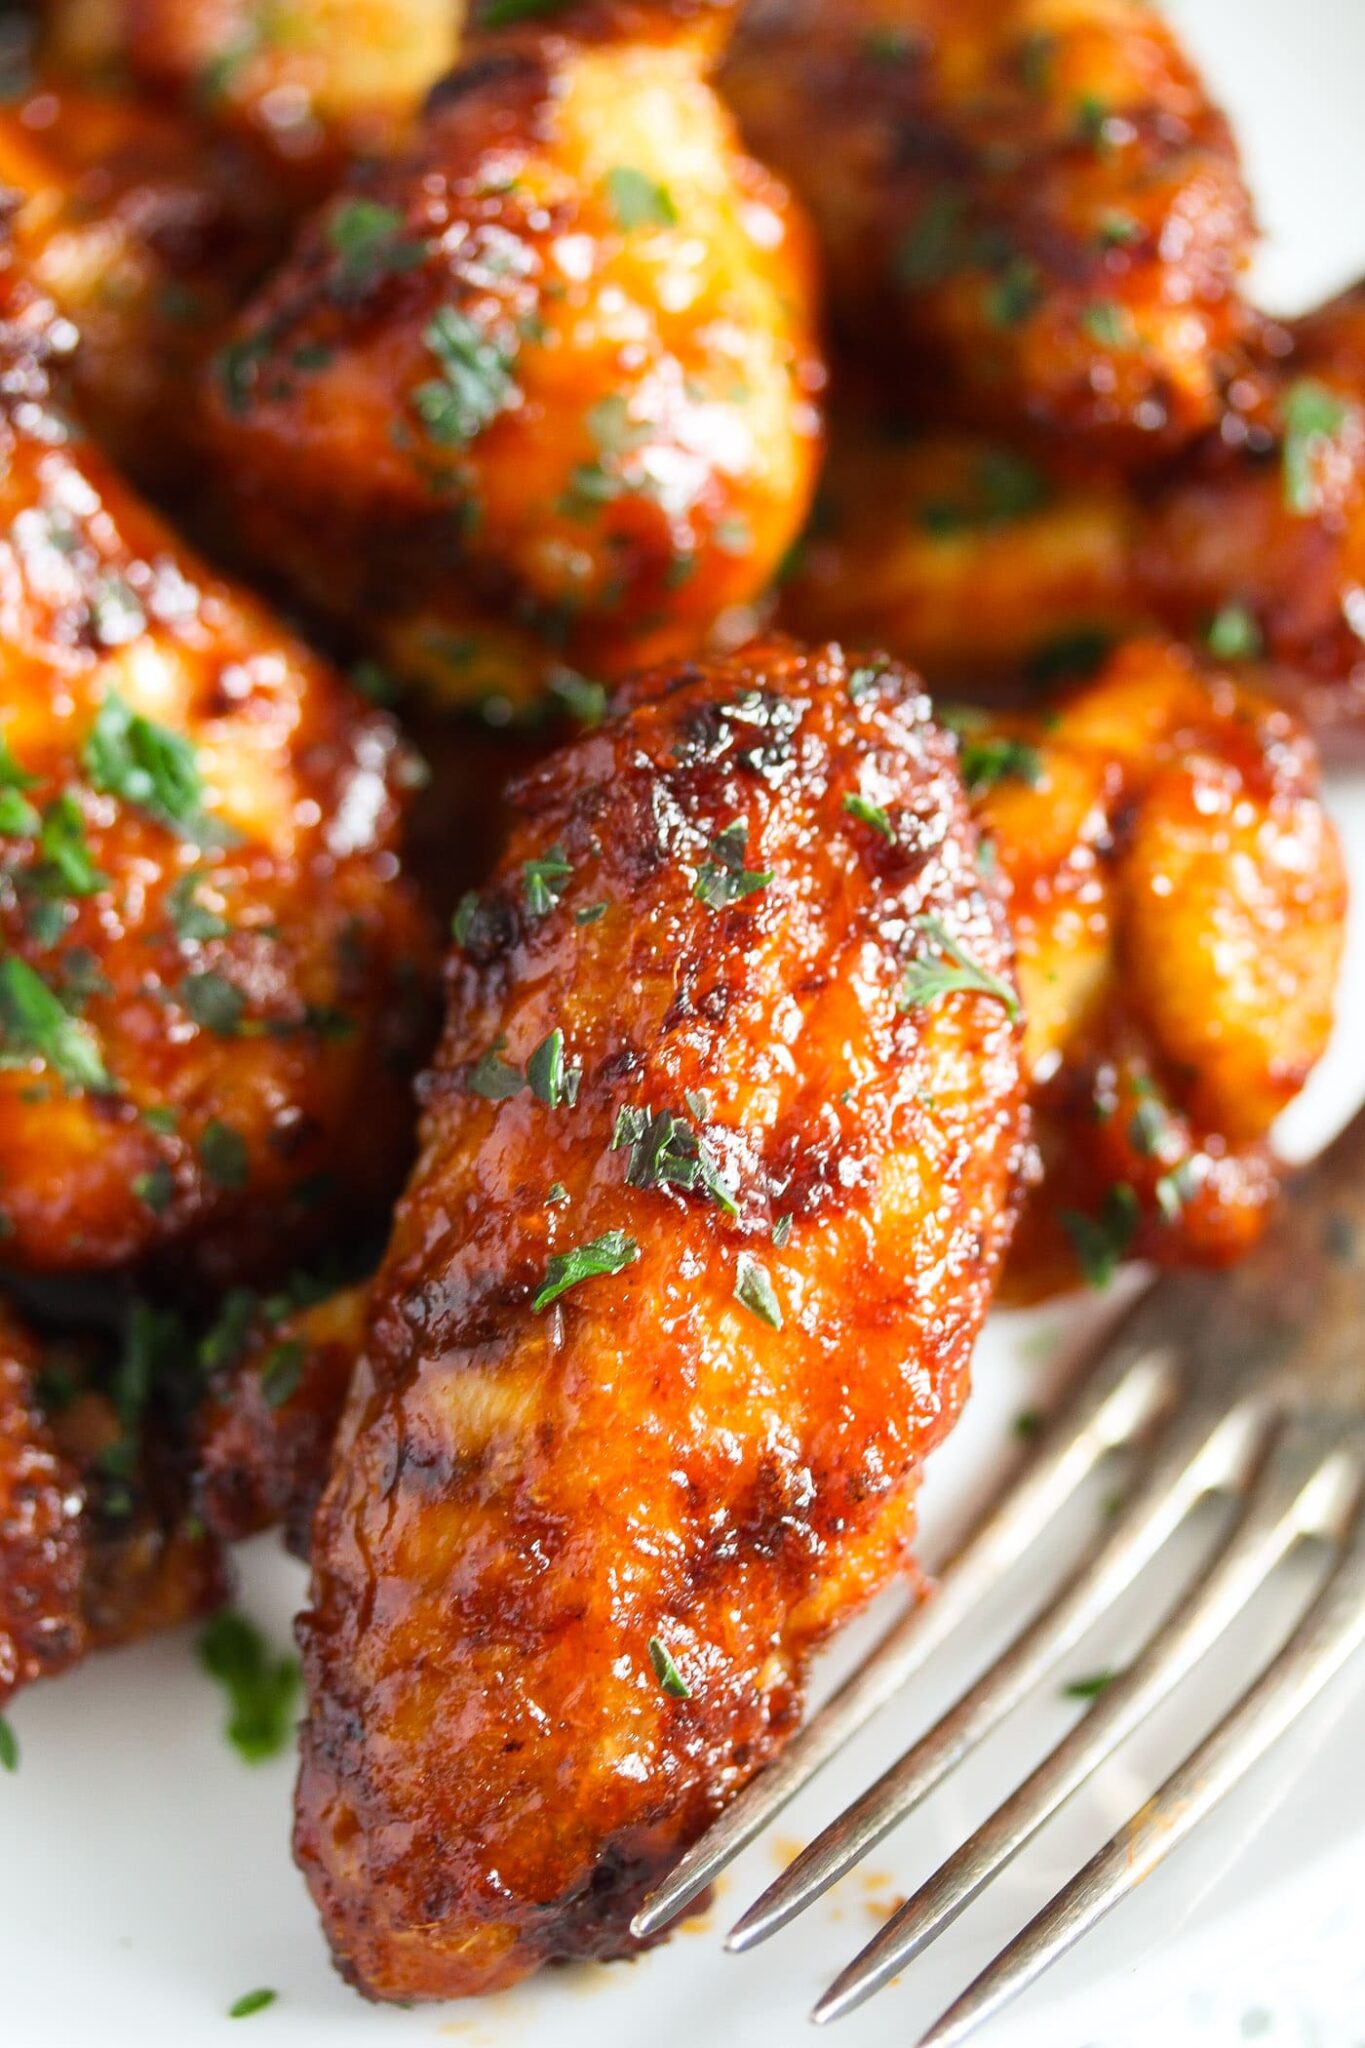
x,y
95,1550
529,1491
1178,900
144,231
208,957
1029,208
308,80
543,389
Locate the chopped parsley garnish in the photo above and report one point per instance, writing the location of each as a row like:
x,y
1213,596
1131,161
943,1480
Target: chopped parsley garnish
x,y
615,436
1108,323
250,2002
155,1188
1118,230
862,681
1092,120
754,1289
544,881
666,1671
224,1156
502,13
1176,1188
782,1230
493,1077
723,878
935,248
947,967
1028,1424
638,201
261,1687
369,245
610,1253
213,1002
18,819
666,1152
557,1196
1012,296
1089,1688
584,700
12,775
591,913
147,765
190,921
868,813
9,1747
1101,1243
281,1373
1313,416
992,758
1232,634
475,384
550,1081
66,856
35,1024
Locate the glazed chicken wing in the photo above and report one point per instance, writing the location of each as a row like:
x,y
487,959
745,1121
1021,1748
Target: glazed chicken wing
x,y
542,390
1178,900
97,1544
143,232
211,971
1029,209
715,1181
308,80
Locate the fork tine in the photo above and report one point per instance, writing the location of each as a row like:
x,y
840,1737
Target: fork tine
x,y
1190,1458
1119,1396
1331,1631
1276,1513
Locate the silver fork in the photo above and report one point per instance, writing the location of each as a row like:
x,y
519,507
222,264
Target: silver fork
x,y
1249,1384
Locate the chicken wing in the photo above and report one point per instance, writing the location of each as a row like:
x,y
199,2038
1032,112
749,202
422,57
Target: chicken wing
x,y
543,390
144,232
1178,900
97,1544
715,1181
308,80
208,958
1030,207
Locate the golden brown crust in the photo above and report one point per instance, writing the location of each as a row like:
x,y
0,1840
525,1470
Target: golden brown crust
x,y
197,999
542,390
492,1774
1029,209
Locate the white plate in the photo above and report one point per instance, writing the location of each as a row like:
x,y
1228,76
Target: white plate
x,y
145,1879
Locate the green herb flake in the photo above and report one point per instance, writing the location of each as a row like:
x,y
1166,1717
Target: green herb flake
x,y
591,913
475,384
863,681
62,845
946,967
281,1373
723,878
1233,634
1014,294
1108,323
558,1196
994,758
1313,416
250,2002
584,700
224,1156
155,1189
9,1746
666,1671
261,1687
12,775
192,924
611,1253
666,1152
551,1082
935,248
1101,1243
1118,230
638,201
35,1024
503,13
868,813
545,880
18,819
1089,1688
145,764
781,1232
213,1003
754,1289
368,241
1028,1424
493,1077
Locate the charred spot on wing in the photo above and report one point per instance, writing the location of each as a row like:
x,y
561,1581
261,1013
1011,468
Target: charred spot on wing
x,y
496,72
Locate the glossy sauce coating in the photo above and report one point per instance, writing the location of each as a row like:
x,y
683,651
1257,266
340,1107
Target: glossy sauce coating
x,y
542,390
1178,899
87,1561
211,971
143,230
523,1498
1029,209
307,81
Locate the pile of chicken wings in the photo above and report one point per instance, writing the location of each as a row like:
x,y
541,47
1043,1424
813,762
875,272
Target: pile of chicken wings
x,y
661,675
